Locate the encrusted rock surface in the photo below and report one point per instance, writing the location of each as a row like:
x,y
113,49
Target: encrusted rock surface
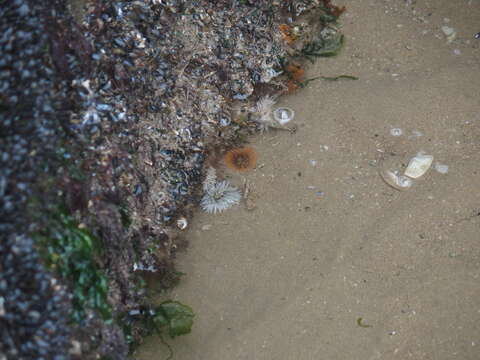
x,y
112,118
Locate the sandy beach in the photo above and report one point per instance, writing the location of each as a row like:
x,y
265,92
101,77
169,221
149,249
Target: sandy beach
x,y
333,263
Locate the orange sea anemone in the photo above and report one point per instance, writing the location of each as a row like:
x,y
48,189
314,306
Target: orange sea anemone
x,y
295,72
241,159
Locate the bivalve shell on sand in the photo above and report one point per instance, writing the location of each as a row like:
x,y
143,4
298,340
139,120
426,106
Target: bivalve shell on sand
x,y
399,182
418,166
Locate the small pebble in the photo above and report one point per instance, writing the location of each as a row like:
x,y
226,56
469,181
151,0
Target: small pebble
x,y
206,227
441,168
457,51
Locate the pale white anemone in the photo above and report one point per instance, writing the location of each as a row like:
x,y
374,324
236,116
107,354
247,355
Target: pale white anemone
x,y
219,197
262,112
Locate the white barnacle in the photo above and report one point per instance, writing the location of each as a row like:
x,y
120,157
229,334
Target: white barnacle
x,y
219,197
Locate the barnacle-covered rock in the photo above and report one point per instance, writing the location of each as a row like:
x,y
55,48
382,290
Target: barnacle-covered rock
x,y
112,116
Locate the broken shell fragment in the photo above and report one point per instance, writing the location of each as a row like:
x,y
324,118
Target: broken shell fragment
x,y
399,182
283,115
418,166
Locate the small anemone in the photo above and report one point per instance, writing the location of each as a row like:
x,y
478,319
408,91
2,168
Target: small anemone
x,y
262,112
241,159
219,197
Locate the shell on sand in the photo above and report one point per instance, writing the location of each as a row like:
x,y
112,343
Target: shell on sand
x,y
418,166
399,182
283,115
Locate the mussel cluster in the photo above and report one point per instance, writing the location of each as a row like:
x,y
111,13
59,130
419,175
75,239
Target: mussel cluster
x,y
33,305
111,116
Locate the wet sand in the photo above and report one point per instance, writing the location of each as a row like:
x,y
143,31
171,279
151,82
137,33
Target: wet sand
x,y
329,242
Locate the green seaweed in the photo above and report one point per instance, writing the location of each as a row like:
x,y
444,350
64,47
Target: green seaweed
x,y
70,251
176,317
327,78
323,47
335,78
171,317
326,17
125,215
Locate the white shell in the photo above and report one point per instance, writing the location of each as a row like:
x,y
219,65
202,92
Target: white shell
x,y
399,182
182,223
283,115
418,166
396,132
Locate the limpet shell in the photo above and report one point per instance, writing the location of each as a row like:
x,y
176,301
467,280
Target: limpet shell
x,y
418,166
399,182
283,115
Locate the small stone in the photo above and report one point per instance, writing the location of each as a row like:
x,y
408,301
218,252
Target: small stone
x,y
441,168
34,314
76,348
206,227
